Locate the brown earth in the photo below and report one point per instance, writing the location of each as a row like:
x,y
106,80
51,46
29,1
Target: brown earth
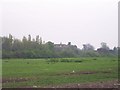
x,y
107,84
83,72
7,80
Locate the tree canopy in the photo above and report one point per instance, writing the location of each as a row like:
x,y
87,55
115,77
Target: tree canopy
x,y
37,48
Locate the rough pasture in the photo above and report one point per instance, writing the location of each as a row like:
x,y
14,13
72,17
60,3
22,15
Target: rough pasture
x,y
58,72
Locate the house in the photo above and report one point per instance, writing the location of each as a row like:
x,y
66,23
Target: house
x,y
64,46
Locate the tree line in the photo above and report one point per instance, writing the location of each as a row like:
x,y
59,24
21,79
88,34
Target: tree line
x,y
36,48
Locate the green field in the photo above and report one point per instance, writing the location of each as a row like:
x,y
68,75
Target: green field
x,y
52,72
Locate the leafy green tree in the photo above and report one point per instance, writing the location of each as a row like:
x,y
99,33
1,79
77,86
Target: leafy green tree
x,y
87,47
104,46
17,45
40,40
6,43
37,39
29,38
35,48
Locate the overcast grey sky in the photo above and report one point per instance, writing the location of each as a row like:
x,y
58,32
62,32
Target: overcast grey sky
x,y
76,21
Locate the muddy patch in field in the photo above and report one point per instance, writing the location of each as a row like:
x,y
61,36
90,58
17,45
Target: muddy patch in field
x,y
106,84
7,80
83,72
102,84
78,73
87,72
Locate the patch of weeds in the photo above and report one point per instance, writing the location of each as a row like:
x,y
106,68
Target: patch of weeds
x,y
64,60
95,59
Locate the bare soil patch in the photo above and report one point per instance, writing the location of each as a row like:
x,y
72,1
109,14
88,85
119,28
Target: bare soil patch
x,y
84,72
7,80
107,84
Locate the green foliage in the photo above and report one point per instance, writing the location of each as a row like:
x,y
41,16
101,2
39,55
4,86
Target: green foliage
x,y
31,48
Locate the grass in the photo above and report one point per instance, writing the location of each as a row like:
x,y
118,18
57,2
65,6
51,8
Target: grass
x,y
45,72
